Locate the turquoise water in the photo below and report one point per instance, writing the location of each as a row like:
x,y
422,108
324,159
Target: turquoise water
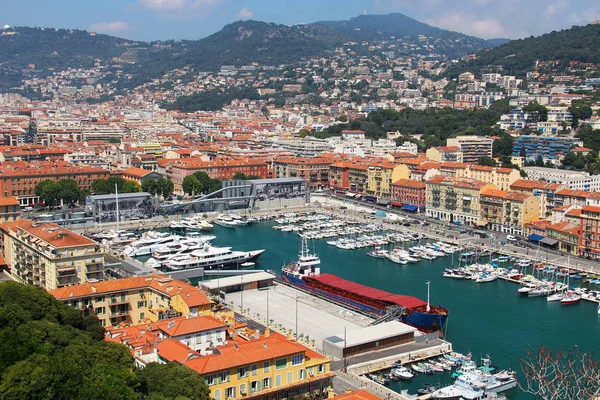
x,y
486,318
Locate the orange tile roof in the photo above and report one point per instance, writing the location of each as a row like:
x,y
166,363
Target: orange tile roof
x,y
411,183
595,209
9,201
185,326
137,172
517,196
160,283
574,193
50,233
173,350
244,353
491,192
358,394
575,212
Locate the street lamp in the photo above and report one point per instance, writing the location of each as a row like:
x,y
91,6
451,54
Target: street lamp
x,y
268,306
297,318
242,292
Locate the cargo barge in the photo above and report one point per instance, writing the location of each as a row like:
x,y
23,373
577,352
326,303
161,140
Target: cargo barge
x,y
306,274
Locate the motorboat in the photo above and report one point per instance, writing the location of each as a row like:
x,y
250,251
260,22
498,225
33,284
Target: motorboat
x,y
382,380
483,278
570,298
208,257
226,222
427,389
378,252
401,373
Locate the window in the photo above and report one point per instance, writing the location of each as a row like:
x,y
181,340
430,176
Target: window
x,y
99,310
321,368
243,391
254,387
266,383
281,363
99,299
297,360
254,370
267,366
310,372
230,392
242,372
301,374
224,376
211,380
123,297
142,316
141,304
290,377
278,380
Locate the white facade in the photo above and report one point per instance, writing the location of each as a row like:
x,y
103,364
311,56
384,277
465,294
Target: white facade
x,y
575,180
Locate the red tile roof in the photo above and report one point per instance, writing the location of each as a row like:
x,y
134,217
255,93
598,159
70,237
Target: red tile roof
x,y
9,201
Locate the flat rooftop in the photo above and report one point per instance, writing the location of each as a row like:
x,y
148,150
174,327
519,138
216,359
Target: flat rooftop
x,y
317,318
371,334
235,280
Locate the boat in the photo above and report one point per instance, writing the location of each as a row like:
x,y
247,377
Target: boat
x,y
208,257
377,252
226,222
483,278
427,389
382,380
570,298
418,368
401,373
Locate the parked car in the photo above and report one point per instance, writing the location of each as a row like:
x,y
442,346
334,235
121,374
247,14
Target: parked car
x,y
511,238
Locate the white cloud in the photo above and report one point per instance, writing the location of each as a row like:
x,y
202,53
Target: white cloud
x,y
110,27
460,22
244,13
555,8
178,5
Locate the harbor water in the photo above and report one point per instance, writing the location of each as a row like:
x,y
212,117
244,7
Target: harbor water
x,y
484,318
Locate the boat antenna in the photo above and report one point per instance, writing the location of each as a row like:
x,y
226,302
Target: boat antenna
x,y
428,283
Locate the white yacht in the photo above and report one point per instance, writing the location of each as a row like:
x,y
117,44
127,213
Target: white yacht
x,y
226,222
147,245
208,257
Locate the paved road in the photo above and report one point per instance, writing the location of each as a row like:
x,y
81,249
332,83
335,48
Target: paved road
x,y
446,231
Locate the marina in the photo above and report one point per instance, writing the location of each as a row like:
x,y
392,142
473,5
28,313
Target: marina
x,y
489,318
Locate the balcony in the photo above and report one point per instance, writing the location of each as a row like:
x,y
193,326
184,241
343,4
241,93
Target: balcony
x,y
118,313
114,302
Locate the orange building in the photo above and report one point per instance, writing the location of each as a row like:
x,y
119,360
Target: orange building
x,y
315,171
20,178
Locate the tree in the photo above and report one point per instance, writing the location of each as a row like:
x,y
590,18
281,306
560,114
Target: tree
x,y
560,374
239,176
503,146
579,110
68,191
190,185
149,186
303,132
486,161
164,187
114,140
539,162
536,107
523,152
171,381
48,191
108,186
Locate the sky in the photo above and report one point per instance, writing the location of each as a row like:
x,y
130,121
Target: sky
x,y
194,19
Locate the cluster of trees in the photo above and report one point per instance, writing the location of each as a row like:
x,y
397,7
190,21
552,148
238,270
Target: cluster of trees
x,y
53,192
211,100
580,110
589,136
160,187
240,176
48,350
200,183
435,125
589,162
107,186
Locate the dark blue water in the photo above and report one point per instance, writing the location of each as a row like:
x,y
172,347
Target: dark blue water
x,y
486,318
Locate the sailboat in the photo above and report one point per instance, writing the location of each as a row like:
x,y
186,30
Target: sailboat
x,y
559,296
570,297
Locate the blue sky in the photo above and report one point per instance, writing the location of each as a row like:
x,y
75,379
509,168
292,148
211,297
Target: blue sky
x,y
194,19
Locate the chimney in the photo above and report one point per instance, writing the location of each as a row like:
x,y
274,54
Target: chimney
x,y
330,393
264,345
94,289
267,332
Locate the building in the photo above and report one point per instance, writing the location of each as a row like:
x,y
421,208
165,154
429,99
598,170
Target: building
x,y
369,339
550,148
501,178
19,178
137,175
380,176
353,134
519,209
545,191
455,199
407,192
315,171
135,300
589,240
566,234
445,154
473,147
492,207
47,255
103,207
575,180
9,209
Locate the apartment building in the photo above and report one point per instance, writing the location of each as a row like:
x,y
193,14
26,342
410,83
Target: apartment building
x,y
407,192
358,178
501,178
135,300
9,209
492,207
271,367
589,240
473,147
444,154
550,148
519,209
339,175
47,255
216,169
545,191
380,176
19,178
315,171
455,199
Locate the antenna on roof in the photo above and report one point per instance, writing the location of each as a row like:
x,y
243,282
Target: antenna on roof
x,y
171,324
236,346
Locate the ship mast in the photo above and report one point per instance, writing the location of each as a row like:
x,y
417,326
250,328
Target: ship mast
x,y
304,247
428,283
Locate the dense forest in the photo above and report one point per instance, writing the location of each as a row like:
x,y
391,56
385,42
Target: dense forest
x,y
580,43
49,351
211,100
435,125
